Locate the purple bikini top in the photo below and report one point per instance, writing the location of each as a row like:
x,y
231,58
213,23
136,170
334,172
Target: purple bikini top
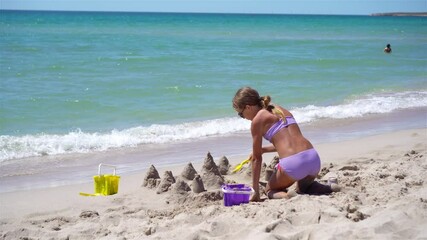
x,y
277,126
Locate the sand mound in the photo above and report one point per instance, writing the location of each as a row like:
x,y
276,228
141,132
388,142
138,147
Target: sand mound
x,y
189,172
166,182
197,184
223,165
180,187
152,178
210,173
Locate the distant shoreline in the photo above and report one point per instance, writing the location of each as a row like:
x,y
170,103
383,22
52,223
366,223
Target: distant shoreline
x,y
402,14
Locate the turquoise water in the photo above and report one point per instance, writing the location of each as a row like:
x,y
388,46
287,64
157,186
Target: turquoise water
x,y
83,82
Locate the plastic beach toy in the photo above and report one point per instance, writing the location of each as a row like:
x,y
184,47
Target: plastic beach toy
x,y
240,165
236,194
107,184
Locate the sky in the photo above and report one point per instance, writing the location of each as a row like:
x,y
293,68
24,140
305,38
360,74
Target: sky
x,y
346,7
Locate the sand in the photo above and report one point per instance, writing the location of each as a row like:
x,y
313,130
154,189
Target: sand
x,y
383,196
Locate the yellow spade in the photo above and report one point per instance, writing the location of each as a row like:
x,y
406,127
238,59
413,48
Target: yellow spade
x,y
240,165
107,184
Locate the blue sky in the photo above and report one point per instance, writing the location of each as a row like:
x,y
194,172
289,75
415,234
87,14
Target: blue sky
x,y
358,7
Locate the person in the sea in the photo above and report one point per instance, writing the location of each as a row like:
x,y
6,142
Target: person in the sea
x,y
387,49
299,161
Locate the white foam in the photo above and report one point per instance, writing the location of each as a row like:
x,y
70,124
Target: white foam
x,y
368,104
13,147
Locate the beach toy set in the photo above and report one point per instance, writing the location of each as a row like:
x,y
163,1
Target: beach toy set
x,y
105,184
236,194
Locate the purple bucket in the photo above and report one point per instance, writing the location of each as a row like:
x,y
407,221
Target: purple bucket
x,y
236,194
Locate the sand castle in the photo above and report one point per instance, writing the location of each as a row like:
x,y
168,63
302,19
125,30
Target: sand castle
x,y
152,178
180,187
197,184
224,165
211,177
166,182
192,187
189,172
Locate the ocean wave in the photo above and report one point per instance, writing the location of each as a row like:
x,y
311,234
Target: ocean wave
x,y
13,147
361,106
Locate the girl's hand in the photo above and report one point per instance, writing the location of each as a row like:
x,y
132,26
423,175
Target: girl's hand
x,y
255,197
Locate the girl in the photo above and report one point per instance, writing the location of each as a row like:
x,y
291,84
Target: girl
x,y
299,161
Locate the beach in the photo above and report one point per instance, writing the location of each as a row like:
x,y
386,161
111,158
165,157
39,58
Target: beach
x,y
383,196
153,91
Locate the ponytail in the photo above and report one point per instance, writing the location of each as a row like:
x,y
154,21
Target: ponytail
x,y
265,103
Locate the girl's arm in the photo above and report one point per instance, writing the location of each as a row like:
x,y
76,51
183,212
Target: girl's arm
x,y
257,152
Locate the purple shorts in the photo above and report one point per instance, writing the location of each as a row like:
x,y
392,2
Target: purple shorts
x,y
301,165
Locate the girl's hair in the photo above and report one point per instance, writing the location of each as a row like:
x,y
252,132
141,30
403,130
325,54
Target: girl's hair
x,y
249,96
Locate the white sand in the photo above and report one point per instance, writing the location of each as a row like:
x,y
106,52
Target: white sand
x,y
384,196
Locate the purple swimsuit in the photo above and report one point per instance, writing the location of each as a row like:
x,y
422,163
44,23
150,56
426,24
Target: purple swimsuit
x,y
277,126
299,165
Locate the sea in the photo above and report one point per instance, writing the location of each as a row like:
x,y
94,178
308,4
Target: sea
x,y
135,89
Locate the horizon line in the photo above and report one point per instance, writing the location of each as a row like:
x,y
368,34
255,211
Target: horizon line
x,y
384,14
172,12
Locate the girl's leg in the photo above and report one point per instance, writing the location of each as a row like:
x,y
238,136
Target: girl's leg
x,y
307,185
277,185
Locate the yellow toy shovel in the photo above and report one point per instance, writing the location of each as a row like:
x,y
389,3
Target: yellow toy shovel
x,y
107,184
240,165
